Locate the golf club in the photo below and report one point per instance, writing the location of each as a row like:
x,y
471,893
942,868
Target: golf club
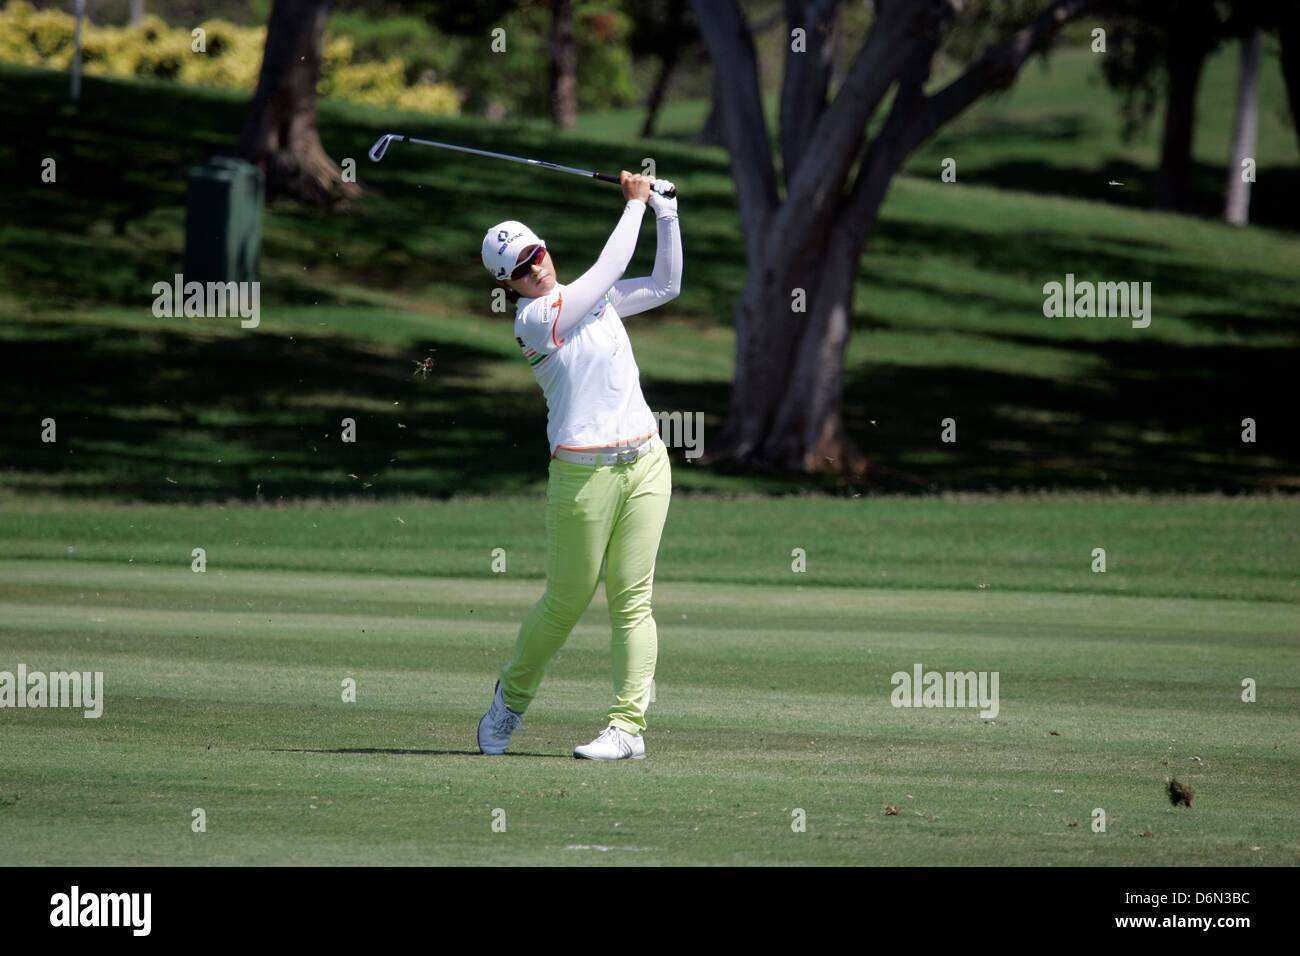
x,y
380,149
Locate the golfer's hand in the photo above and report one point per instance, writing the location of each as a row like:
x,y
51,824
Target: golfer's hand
x,y
634,186
661,204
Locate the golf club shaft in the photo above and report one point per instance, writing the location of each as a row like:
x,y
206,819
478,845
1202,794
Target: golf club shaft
x,y
378,151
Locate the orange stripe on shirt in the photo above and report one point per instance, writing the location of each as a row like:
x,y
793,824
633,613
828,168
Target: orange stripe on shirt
x,y
555,327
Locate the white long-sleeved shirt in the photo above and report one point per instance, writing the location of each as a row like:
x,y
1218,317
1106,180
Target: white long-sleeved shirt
x,y
573,337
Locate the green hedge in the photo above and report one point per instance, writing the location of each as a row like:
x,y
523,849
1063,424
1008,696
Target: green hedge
x,y
223,55
399,60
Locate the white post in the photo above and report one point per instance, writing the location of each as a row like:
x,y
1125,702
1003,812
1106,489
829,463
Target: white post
x,y
1236,204
79,8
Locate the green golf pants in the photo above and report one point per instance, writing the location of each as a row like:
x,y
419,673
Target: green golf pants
x,y
598,515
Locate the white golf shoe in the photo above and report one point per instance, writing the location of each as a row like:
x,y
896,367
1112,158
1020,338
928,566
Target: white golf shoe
x,y
497,725
614,743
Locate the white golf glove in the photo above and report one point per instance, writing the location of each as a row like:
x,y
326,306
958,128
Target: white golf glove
x,y
661,204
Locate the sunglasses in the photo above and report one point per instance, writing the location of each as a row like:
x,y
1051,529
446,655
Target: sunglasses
x,y
538,254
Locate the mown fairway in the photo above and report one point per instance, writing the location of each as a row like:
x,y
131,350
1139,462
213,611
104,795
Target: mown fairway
x,y
223,689
329,561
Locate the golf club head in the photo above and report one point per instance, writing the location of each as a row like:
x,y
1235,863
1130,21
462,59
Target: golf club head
x,y
380,148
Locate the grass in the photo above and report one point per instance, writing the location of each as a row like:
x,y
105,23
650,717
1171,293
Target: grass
x,y
371,561
223,690
1244,549
948,319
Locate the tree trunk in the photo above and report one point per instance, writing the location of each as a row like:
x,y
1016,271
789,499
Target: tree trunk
x,y
1184,61
280,134
668,56
564,66
74,90
768,333
1236,205
807,77
137,12
714,131
808,434
657,93
785,410
1289,34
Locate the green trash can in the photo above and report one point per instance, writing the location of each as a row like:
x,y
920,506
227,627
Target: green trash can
x,y
223,221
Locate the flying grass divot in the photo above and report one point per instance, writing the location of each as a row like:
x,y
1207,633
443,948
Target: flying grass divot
x,y
1180,794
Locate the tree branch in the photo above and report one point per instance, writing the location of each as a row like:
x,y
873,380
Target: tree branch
x,y
731,47
885,154
807,76
818,183
996,68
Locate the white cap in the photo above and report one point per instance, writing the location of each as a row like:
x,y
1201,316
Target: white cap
x,y
502,245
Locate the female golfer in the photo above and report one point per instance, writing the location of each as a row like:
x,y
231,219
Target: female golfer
x,y
609,477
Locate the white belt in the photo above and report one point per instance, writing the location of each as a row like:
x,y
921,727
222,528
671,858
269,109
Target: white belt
x,y
624,457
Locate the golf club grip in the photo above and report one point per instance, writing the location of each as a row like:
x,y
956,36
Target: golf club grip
x,y
671,194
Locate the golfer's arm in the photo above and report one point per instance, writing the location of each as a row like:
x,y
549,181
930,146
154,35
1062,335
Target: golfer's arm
x,y
581,295
631,296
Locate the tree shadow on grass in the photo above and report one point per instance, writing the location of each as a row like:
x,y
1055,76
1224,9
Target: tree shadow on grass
x,y
1159,408
160,415
167,416
1157,416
